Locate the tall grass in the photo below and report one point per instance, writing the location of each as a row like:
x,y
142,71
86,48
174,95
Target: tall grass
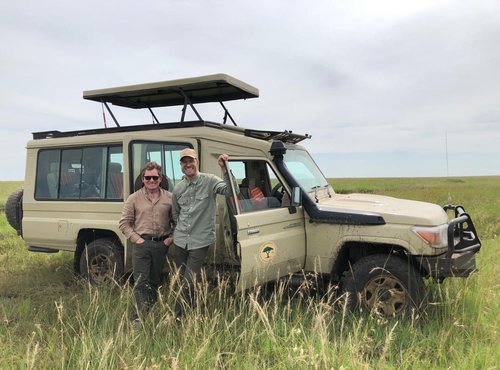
x,y
50,318
6,188
479,195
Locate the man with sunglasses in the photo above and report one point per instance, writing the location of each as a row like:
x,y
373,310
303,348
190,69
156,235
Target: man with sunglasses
x,y
193,212
146,222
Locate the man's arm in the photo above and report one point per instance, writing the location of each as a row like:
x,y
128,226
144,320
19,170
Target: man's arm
x,y
223,187
127,221
175,209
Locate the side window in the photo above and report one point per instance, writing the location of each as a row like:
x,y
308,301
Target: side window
x,y
114,177
167,155
80,173
47,174
70,173
259,186
93,165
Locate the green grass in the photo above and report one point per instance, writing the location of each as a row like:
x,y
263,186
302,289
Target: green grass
x,y
50,318
6,188
479,195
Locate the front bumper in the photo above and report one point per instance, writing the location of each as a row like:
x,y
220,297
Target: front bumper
x,y
463,244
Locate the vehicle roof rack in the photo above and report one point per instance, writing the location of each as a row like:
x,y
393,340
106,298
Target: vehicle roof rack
x,y
109,130
182,92
284,136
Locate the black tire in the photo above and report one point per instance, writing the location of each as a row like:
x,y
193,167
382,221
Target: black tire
x,y
385,285
102,261
14,210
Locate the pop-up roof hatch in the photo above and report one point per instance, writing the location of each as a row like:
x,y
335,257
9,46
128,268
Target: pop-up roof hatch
x,y
183,92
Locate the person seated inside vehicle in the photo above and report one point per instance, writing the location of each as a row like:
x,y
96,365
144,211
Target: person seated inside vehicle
x,y
115,180
52,179
67,180
253,198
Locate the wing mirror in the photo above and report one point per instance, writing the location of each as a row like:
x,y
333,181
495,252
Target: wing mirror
x,y
296,197
295,200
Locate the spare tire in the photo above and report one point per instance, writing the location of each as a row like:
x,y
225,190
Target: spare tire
x,y
14,211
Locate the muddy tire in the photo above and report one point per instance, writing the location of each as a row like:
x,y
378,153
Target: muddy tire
x,y
14,210
384,285
101,261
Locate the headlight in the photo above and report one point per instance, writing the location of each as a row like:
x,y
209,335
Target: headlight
x,y
436,236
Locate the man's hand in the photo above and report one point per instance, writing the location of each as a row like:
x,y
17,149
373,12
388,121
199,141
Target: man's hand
x,y
169,240
223,158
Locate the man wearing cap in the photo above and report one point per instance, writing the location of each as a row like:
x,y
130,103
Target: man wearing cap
x,y
193,212
146,222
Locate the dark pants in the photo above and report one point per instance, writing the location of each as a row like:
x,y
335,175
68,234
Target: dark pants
x,y
148,260
189,263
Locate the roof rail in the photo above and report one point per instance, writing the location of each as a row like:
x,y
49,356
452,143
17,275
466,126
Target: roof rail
x,y
285,136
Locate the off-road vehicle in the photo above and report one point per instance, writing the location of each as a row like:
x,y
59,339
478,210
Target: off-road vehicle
x,y
283,219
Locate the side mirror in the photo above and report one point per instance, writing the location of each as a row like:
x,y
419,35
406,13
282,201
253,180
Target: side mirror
x,y
296,197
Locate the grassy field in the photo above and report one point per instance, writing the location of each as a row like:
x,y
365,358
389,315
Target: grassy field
x,y
6,188
50,318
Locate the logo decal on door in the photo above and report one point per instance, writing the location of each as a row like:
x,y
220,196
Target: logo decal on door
x,y
267,251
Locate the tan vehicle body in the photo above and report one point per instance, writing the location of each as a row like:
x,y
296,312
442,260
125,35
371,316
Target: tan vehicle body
x,y
58,224
300,229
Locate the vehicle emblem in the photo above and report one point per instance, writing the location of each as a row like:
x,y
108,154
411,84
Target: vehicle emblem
x,y
267,251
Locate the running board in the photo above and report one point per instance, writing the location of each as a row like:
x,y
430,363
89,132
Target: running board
x,y
42,249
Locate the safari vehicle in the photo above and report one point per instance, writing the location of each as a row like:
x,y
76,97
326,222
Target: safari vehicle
x,y
283,219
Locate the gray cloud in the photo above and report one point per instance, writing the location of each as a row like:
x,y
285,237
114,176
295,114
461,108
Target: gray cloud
x,y
366,79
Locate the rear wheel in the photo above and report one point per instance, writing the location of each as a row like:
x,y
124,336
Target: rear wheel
x,y
385,285
14,210
102,261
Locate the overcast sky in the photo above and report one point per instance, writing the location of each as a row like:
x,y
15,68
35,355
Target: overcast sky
x,y
381,86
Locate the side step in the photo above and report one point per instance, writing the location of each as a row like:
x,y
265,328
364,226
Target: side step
x,y
42,249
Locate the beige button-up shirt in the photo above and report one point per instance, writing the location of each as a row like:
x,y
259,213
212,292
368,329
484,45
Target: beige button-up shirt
x,y
141,216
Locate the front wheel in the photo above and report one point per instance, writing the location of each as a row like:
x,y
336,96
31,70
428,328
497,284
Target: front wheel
x,y
385,285
102,261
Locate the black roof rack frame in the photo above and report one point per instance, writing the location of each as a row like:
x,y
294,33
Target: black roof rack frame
x,y
184,92
284,136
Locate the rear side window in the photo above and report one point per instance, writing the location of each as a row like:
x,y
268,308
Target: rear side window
x,y
84,173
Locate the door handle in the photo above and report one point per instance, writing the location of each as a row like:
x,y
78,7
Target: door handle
x,y
253,231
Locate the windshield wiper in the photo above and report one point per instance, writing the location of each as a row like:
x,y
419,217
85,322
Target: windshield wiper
x,y
327,186
316,193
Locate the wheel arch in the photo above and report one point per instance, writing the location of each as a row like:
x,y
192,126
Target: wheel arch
x,y
353,251
86,236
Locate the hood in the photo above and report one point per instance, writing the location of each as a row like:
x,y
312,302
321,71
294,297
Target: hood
x,y
393,210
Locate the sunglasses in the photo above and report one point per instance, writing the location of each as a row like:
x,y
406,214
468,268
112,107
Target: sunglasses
x,y
154,178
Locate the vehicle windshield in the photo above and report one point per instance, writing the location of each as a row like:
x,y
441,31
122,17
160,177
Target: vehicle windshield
x,y
305,171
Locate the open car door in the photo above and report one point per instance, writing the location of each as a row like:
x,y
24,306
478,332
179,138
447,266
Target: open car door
x,y
270,235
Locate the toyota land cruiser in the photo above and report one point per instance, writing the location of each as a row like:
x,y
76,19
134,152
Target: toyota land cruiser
x,y
285,219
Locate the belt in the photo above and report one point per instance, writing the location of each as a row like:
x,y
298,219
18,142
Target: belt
x,y
154,238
